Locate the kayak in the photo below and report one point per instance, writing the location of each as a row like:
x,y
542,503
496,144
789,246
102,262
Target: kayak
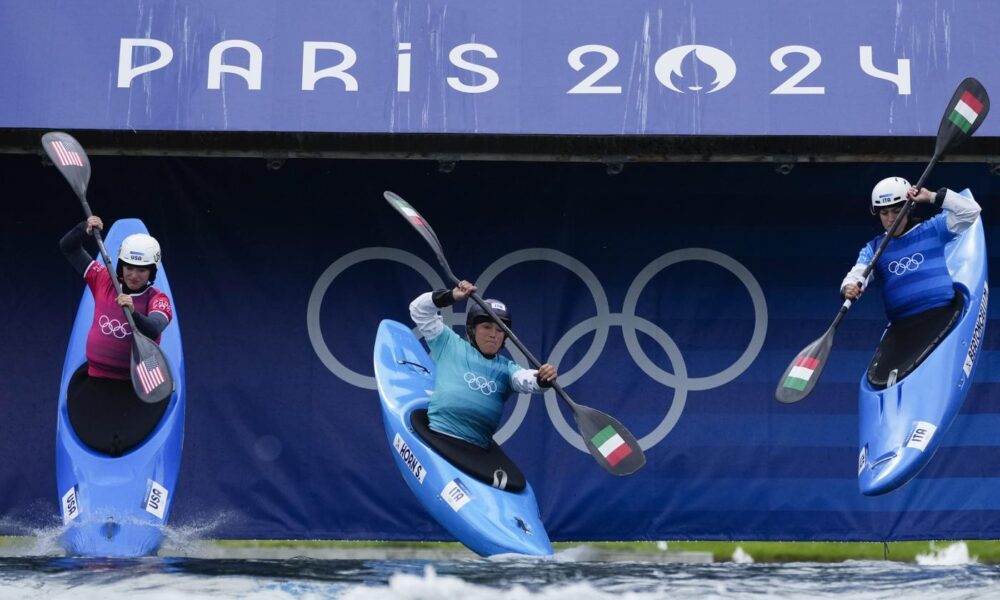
x,y
478,496
921,374
117,462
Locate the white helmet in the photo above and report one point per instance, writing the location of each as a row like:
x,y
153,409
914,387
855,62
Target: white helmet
x,y
889,191
140,250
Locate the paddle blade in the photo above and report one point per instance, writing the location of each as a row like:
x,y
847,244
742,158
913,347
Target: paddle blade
x,y
614,446
966,111
419,223
802,374
69,157
151,375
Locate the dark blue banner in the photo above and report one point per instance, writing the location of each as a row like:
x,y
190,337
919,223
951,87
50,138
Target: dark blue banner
x,y
722,67
670,296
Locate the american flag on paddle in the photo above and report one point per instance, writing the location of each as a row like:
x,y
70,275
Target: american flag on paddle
x,y
150,374
65,156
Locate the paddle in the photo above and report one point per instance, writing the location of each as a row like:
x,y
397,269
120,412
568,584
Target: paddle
x,y
150,370
965,112
612,445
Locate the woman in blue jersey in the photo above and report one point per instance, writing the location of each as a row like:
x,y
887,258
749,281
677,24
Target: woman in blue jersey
x,y
473,380
912,268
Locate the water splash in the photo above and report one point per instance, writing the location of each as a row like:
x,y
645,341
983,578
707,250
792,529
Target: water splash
x,y
951,555
581,553
741,556
38,532
34,539
191,539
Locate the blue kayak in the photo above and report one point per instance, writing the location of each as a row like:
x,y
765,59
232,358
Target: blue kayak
x,y
487,519
921,374
117,460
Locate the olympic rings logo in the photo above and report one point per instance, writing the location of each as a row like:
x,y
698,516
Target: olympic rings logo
x,y
907,263
600,324
478,383
113,327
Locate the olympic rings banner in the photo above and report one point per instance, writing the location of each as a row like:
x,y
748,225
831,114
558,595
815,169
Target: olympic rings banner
x,y
666,299
597,67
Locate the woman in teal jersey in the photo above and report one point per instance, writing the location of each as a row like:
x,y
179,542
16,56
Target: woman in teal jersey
x,y
912,268
473,380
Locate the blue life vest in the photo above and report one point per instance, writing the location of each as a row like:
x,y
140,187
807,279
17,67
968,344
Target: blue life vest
x,y
913,270
469,389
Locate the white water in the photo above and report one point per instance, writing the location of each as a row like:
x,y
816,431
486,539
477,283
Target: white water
x,y
482,580
431,586
192,569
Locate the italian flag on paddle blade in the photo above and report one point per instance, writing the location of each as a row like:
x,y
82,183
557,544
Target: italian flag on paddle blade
x,y
408,212
611,445
965,112
801,373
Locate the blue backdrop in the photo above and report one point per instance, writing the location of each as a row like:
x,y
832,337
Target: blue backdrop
x,y
725,272
716,67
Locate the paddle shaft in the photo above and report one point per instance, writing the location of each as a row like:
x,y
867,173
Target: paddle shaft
x,y
510,335
107,261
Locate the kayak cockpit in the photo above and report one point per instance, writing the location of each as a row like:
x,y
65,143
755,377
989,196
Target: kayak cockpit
x,y
907,342
107,416
489,465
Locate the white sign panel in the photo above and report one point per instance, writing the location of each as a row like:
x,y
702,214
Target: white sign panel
x,y
156,499
70,505
456,494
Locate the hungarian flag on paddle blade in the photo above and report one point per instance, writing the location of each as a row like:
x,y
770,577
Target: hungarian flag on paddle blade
x,y
611,445
965,112
801,373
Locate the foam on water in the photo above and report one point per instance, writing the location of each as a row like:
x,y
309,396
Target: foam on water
x,y
148,587
46,578
190,568
431,586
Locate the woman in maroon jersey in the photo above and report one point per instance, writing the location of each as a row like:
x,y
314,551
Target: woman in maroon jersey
x,y
103,408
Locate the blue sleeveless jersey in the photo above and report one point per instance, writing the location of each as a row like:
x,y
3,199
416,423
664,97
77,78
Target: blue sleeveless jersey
x,y
469,390
913,271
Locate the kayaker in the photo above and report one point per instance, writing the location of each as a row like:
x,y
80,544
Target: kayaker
x,y
473,380
108,342
912,268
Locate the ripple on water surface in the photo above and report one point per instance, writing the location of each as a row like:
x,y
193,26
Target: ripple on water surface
x,y
187,578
